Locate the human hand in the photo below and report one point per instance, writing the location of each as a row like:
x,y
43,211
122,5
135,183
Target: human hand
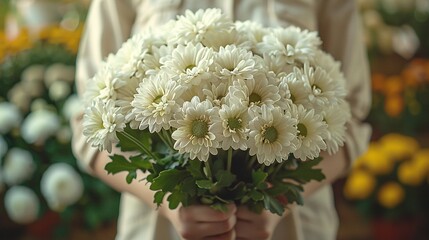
x,y
251,225
203,222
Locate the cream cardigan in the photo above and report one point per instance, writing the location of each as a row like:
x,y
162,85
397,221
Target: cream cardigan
x,y
111,22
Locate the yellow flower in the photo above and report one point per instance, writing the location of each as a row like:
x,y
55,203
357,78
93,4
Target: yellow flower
x,y
390,195
375,160
398,146
411,174
359,185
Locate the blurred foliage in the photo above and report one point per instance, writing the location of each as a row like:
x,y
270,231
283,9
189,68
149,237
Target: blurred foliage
x,y
53,45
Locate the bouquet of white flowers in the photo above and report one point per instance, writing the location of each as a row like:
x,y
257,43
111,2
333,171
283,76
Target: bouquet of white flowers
x,y
218,111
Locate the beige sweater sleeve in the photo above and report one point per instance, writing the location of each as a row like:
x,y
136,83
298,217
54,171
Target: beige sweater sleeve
x,y
107,26
341,31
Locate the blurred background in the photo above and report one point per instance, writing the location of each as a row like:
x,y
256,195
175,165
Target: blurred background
x,y
45,195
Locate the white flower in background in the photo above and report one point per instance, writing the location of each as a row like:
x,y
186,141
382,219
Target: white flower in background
x,y
156,101
59,90
232,129
194,129
332,68
39,126
272,135
59,72
3,147
290,44
10,117
72,106
190,63
18,166
312,131
40,104
232,63
101,122
33,73
203,26
21,204
61,186
19,97
336,117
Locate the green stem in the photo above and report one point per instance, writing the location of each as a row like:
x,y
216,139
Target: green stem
x,y
229,162
163,138
138,144
251,162
167,135
208,169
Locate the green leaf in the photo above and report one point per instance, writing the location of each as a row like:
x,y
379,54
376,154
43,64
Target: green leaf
x,y
195,168
273,205
259,176
256,195
119,164
175,199
131,175
127,145
205,184
159,197
225,178
304,172
168,180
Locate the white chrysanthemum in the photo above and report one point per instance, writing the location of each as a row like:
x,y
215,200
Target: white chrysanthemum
x,y
61,186
203,26
278,67
253,31
254,92
336,117
190,63
290,44
39,125
194,129
325,91
126,61
232,63
216,93
10,117
312,131
232,127
21,204
299,88
272,135
101,123
72,106
155,103
18,166
330,65
3,147
103,85
107,85
152,60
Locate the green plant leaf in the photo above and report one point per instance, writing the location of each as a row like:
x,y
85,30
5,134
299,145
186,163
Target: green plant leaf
x,y
167,180
205,184
273,205
258,177
305,172
225,178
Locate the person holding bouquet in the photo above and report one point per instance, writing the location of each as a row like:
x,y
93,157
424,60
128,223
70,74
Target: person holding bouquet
x,y
112,22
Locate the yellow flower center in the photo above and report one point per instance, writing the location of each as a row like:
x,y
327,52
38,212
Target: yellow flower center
x,y
199,128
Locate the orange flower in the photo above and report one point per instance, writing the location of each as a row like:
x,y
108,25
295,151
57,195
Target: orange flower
x,y
378,82
394,105
394,85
